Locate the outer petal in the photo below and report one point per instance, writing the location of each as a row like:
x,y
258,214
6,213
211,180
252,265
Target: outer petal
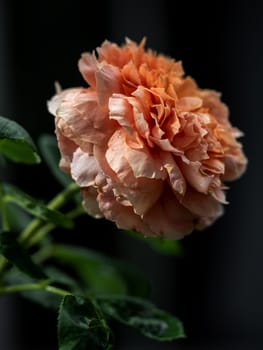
x,y
81,119
67,148
169,219
195,178
141,194
235,165
123,216
54,103
90,202
84,168
205,207
88,66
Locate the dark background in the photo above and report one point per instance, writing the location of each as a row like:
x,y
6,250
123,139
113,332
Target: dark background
x,y
216,287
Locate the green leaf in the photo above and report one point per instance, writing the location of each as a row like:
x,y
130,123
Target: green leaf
x,y
81,325
12,251
2,161
17,218
34,207
101,274
16,144
143,316
160,245
49,148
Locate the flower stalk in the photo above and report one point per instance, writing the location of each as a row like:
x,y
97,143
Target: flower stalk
x,y
43,285
38,228
56,203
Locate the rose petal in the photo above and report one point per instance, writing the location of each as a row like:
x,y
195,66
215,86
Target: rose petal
x,y
188,103
88,66
201,205
81,119
108,81
84,168
169,219
90,202
195,177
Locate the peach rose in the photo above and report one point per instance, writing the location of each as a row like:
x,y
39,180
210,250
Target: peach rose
x,y
150,150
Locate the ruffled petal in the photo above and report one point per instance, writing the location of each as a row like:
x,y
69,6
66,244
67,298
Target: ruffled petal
x,y
82,120
108,81
84,168
88,66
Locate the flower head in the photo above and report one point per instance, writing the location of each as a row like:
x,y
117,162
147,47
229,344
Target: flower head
x,y
150,150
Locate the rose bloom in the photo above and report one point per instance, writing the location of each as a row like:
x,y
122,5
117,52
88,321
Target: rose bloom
x,y
150,150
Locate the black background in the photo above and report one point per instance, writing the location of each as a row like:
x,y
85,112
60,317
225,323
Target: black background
x,y
216,288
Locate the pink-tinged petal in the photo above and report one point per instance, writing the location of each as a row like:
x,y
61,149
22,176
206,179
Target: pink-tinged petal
x,y
141,194
212,166
124,111
67,148
169,219
116,159
201,205
165,145
219,195
100,155
121,111
172,125
195,178
140,122
84,168
211,100
90,202
144,164
88,66
82,120
138,161
235,165
175,175
108,81
123,216
188,104
54,103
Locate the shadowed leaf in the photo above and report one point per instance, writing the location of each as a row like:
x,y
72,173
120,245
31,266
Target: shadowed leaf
x,y
16,144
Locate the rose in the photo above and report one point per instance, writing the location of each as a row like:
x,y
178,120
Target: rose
x,y
150,150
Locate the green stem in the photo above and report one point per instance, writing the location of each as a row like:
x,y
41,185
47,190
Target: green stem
x,y
56,203
5,224
3,263
37,226
42,231
33,287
